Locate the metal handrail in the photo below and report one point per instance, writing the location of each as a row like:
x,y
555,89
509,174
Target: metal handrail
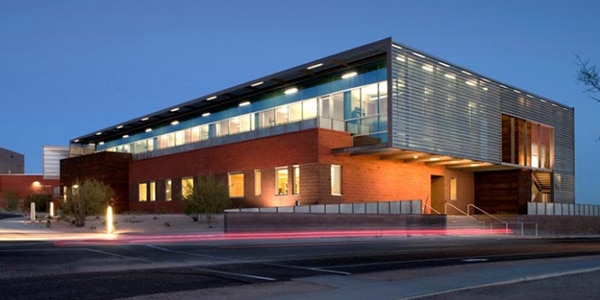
x,y
430,207
489,215
461,211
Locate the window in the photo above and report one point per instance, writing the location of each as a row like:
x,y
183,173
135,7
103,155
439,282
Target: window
x,y
336,180
453,189
187,187
309,109
143,192
296,178
236,185
281,115
295,112
257,182
179,138
152,190
168,190
281,181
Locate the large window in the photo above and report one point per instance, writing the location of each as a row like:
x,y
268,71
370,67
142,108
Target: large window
x,y
453,189
527,143
336,180
281,181
143,192
187,187
236,185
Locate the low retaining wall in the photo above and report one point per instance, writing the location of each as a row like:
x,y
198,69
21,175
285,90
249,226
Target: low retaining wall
x,y
563,225
237,222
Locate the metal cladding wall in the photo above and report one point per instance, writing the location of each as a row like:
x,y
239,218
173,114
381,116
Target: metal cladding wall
x,y
442,109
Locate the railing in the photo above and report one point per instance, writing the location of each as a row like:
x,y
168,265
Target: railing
x,y
489,215
425,205
447,204
407,207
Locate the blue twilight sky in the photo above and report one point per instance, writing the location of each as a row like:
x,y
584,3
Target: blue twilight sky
x,y
68,68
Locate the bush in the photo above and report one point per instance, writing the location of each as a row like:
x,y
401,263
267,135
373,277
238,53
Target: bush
x,y
209,196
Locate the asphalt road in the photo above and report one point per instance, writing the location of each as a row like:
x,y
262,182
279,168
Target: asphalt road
x,y
110,270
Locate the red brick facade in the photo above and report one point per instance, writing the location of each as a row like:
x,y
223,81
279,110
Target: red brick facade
x,y
364,178
23,186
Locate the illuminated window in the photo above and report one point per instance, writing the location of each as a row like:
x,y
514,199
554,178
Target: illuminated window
x,y
453,189
281,115
236,185
180,138
281,181
187,187
168,190
336,180
152,190
295,112
257,182
309,109
296,178
143,192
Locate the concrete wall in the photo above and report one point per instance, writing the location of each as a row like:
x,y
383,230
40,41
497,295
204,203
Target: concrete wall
x,y
281,222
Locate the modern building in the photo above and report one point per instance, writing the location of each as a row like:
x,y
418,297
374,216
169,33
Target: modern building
x,y
381,122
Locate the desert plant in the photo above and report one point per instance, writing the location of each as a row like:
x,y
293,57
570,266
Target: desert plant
x,y
209,196
87,199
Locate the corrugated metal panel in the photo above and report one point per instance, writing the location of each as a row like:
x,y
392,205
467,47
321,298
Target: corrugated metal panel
x,y
52,157
443,109
439,109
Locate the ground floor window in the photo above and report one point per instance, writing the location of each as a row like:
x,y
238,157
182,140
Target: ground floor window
x,y
296,178
453,189
168,190
281,181
257,182
236,185
143,192
187,187
152,190
336,180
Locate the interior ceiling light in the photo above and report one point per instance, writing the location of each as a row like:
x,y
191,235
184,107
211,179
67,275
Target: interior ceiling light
x,y
314,66
471,82
120,126
145,119
101,143
175,109
465,72
175,122
257,83
211,98
443,64
290,91
126,136
148,129
349,75
75,141
245,103
400,58
419,55
450,76
206,114
428,68
99,133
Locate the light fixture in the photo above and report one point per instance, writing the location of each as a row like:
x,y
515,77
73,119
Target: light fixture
x,y
443,64
450,76
76,141
415,157
471,82
349,75
120,126
175,122
401,58
175,109
148,129
257,83
245,103
290,91
101,143
517,91
211,98
428,68
396,46
206,114
465,72
125,136
144,119
99,133
314,66
419,55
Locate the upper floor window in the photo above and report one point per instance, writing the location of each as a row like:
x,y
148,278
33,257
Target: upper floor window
x,y
527,143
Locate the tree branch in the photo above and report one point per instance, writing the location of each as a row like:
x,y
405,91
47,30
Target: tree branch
x,y
588,75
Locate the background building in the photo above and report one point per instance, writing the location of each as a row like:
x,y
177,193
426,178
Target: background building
x,y
11,162
381,122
